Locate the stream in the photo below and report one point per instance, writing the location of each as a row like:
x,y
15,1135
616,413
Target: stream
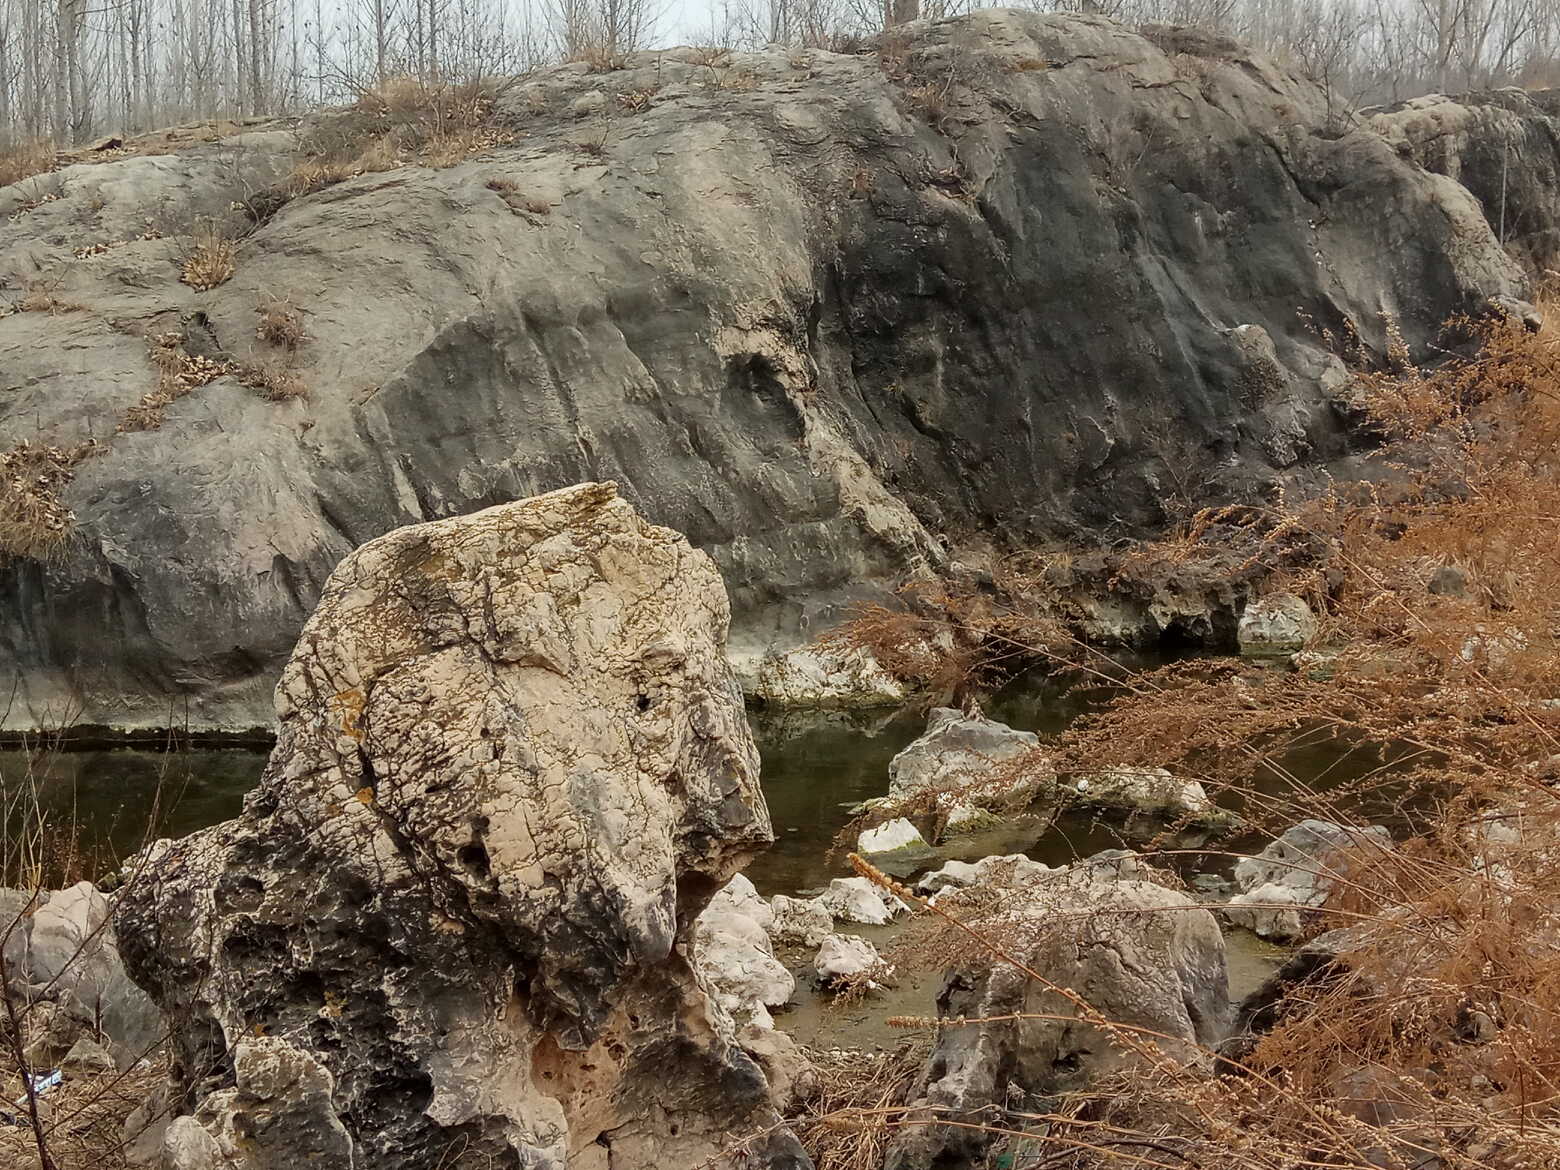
x,y
816,766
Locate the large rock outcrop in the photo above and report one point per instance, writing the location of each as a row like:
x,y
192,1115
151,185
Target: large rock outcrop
x,y
1504,146
1012,277
449,928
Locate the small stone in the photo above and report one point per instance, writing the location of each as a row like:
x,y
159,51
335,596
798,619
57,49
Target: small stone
x,y
800,920
87,1057
846,956
855,899
1275,626
1449,581
890,837
188,1146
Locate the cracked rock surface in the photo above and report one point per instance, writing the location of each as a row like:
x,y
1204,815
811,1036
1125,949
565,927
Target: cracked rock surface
x,y
447,930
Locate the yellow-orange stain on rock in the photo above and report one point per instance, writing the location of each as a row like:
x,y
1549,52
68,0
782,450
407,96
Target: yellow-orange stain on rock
x,y
349,703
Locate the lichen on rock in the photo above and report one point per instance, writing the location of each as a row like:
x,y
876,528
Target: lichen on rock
x,y
511,769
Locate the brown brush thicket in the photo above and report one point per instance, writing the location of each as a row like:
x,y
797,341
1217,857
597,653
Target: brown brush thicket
x,y
34,521
404,122
1428,701
24,160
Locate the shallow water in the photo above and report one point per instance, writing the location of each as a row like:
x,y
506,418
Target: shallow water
x,y
816,766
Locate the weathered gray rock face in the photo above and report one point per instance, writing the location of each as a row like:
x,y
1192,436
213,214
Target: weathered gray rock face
x,y
512,768
810,319
1137,953
1504,146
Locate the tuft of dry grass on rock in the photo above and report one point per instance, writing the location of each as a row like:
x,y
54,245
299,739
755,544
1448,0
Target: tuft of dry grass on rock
x,y
178,373
24,160
212,258
41,298
34,521
281,322
516,200
275,379
600,58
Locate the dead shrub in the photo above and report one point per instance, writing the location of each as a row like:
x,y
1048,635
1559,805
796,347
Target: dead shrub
x,y
276,380
24,160
212,258
405,122
34,521
281,323
1435,1034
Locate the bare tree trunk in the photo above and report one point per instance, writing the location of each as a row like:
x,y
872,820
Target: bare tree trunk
x,y
433,40
238,56
256,74
379,42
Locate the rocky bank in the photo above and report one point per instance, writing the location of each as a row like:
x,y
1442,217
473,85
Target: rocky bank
x,y
997,280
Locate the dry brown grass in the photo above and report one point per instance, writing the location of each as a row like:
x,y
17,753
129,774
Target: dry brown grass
x,y
85,1119
34,521
212,258
406,122
601,58
1435,1040
41,298
841,1126
275,379
281,322
24,160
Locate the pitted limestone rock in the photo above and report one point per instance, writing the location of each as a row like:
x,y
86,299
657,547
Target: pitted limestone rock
x,y
511,769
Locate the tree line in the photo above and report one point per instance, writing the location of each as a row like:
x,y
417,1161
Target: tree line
x,y
72,70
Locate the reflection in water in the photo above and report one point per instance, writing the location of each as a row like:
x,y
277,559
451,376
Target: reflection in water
x,y
815,767
114,801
